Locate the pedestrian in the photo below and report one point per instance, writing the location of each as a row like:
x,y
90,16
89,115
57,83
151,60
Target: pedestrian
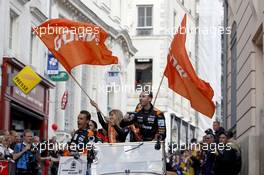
x,y
25,156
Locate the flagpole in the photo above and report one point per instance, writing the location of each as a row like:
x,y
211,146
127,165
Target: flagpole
x,y
80,86
158,90
84,90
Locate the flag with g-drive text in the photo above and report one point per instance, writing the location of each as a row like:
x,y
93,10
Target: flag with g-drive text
x,y
75,43
182,77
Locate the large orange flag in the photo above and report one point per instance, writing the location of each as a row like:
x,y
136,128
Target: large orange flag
x,y
182,77
74,43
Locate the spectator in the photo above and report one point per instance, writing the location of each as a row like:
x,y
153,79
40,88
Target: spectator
x,y
36,140
2,147
195,156
18,139
26,158
218,129
177,165
4,132
232,142
226,161
54,157
5,152
187,162
208,156
13,135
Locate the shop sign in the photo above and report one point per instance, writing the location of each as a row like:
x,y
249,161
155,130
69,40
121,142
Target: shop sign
x,y
26,79
61,76
53,65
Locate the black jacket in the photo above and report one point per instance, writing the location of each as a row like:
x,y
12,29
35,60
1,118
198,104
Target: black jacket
x,y
151,123
121,132
226,163
217,134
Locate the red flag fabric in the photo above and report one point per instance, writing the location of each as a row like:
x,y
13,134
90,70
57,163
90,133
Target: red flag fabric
x,y
75,43
182,77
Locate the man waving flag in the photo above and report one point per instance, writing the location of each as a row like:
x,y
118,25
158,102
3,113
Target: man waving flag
x,y
75,43
182,77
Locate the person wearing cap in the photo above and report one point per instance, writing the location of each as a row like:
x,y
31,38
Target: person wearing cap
x,y
208,155
226,159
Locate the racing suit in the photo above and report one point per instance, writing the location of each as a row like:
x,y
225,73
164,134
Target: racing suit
x,y
151,123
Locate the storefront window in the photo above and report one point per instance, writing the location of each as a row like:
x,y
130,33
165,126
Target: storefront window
x,y
184,133
143,71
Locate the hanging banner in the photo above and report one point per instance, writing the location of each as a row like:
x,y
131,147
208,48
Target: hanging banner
x,y
64,100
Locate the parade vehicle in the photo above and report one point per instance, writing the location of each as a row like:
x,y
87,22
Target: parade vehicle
x,y
127,158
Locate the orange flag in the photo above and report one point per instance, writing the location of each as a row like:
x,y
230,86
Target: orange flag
x,y
75,43
182,77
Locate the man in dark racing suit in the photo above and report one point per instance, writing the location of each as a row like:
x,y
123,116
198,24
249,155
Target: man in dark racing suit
x,y
83,136
80,136
150,120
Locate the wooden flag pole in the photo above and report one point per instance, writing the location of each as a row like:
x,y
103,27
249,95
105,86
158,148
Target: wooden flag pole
x,y
158,90
80,86
84,91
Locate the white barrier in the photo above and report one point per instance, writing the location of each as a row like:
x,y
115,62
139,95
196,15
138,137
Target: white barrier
x,y
72,166
120,158
129,157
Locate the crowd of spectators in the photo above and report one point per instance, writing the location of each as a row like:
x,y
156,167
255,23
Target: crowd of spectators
x,y
216,154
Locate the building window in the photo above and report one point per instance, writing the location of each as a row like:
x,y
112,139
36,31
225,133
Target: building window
x,y
145,15
143,72
192,132
175,130
33,48
12,29
184,133
233,76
